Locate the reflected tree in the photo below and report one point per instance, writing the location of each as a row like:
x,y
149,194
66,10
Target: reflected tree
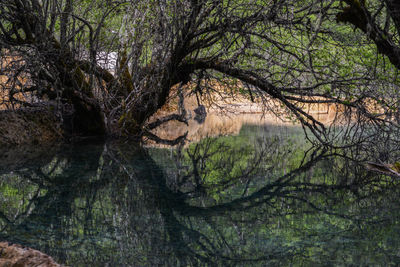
x,y
124,204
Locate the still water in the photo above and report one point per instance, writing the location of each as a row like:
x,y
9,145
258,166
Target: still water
x,y
264,197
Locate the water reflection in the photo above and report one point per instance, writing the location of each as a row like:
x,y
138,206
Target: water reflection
x,y
256,199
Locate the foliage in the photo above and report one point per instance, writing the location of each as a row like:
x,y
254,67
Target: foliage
x,y
120,60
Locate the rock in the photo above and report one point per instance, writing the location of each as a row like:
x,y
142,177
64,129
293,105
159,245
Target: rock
x,y
19,256
201,114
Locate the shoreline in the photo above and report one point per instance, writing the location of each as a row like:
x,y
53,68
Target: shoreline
x,y
223,115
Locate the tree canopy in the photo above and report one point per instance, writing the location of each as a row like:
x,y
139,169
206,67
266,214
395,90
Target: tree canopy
x,y
108,66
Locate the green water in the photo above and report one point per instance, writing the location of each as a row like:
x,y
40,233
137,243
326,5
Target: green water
x,y
262,198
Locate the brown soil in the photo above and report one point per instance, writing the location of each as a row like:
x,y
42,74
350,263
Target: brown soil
x,y
28,127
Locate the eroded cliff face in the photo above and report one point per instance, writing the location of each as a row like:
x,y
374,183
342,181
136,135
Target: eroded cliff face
x,y
12,255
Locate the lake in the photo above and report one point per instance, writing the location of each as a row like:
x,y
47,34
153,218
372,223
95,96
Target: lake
x,y
262,197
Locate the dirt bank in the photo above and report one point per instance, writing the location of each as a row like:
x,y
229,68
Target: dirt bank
x,y
29,127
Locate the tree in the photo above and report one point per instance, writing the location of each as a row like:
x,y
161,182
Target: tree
x,y
380,22
281,50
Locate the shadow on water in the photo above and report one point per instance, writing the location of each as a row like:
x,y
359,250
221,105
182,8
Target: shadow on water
x,y
263,197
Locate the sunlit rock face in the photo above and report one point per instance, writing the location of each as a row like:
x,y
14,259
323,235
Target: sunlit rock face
x,y
18,256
